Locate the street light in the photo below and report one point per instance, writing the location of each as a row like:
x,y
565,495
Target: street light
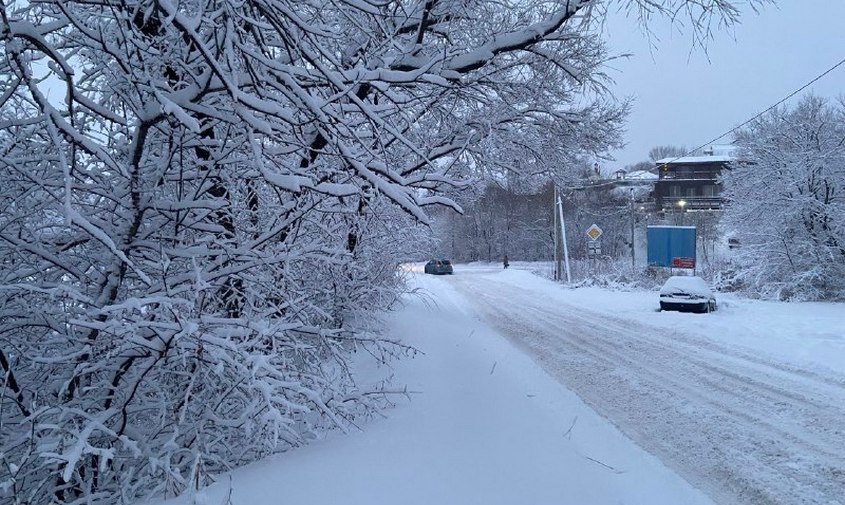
x,y
682,204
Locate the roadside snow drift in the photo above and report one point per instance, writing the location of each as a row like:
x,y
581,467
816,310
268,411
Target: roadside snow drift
x,y
485,425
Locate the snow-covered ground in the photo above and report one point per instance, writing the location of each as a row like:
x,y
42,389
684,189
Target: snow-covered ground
x,y
811,334
746,403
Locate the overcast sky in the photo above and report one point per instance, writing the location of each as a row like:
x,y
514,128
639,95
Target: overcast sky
x,y
681,98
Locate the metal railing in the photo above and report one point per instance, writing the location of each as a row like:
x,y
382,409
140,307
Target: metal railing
x,y
680,203
689,174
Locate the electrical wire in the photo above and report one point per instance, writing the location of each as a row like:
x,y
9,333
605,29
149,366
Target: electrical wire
x,y
779,102
735,128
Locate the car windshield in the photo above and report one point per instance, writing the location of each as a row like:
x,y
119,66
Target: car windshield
x,y
686,284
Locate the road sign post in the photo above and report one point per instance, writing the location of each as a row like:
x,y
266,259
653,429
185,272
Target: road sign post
x,y
594,232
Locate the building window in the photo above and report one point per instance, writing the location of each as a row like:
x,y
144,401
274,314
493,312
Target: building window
x,y
709,190
691,192
674,191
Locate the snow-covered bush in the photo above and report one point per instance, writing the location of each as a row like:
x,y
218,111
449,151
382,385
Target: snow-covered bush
x,y
787,203
617,274
203,202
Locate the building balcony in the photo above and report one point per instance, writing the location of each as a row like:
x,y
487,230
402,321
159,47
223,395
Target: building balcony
x,y
682,203
689,175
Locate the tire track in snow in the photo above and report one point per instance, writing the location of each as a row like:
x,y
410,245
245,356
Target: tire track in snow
x,y
743,428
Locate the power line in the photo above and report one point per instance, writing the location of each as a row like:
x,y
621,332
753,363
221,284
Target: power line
x,y
787,97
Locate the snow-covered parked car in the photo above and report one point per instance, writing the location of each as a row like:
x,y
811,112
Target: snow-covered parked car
x,y
687,294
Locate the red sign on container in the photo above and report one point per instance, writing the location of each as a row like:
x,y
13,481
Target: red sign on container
x,y
679,262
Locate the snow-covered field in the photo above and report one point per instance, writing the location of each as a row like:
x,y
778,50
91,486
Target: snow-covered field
x,y
747,404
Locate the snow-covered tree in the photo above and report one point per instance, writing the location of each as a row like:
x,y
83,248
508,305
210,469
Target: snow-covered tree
x,y
787,202
204,200
500,222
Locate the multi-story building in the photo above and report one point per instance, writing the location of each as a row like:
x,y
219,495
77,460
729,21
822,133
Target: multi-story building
x,y
691,182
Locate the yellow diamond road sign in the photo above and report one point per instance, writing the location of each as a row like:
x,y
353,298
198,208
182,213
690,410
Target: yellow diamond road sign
x,y
594,232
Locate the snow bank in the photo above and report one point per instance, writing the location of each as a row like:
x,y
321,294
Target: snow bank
x,y
485,425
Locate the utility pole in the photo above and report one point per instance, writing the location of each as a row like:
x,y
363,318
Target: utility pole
x,y
557,237
633,218
563,235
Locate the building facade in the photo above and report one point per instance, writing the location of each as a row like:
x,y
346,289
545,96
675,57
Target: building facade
x,y
690,183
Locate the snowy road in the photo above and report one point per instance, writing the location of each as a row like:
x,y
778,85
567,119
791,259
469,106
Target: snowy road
x,y
742,426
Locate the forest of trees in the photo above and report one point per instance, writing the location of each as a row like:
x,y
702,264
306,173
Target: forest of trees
x,y
521,225
205,201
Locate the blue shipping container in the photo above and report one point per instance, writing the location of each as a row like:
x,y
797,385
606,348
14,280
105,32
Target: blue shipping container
x,y
671,246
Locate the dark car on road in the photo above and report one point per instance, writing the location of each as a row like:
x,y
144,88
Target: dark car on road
x,y
439,267
687,294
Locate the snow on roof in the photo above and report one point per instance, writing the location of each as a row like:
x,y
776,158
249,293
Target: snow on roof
x,y
695,159
715,153
642,175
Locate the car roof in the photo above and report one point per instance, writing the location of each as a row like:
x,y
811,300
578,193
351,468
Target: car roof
x,y
687,283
